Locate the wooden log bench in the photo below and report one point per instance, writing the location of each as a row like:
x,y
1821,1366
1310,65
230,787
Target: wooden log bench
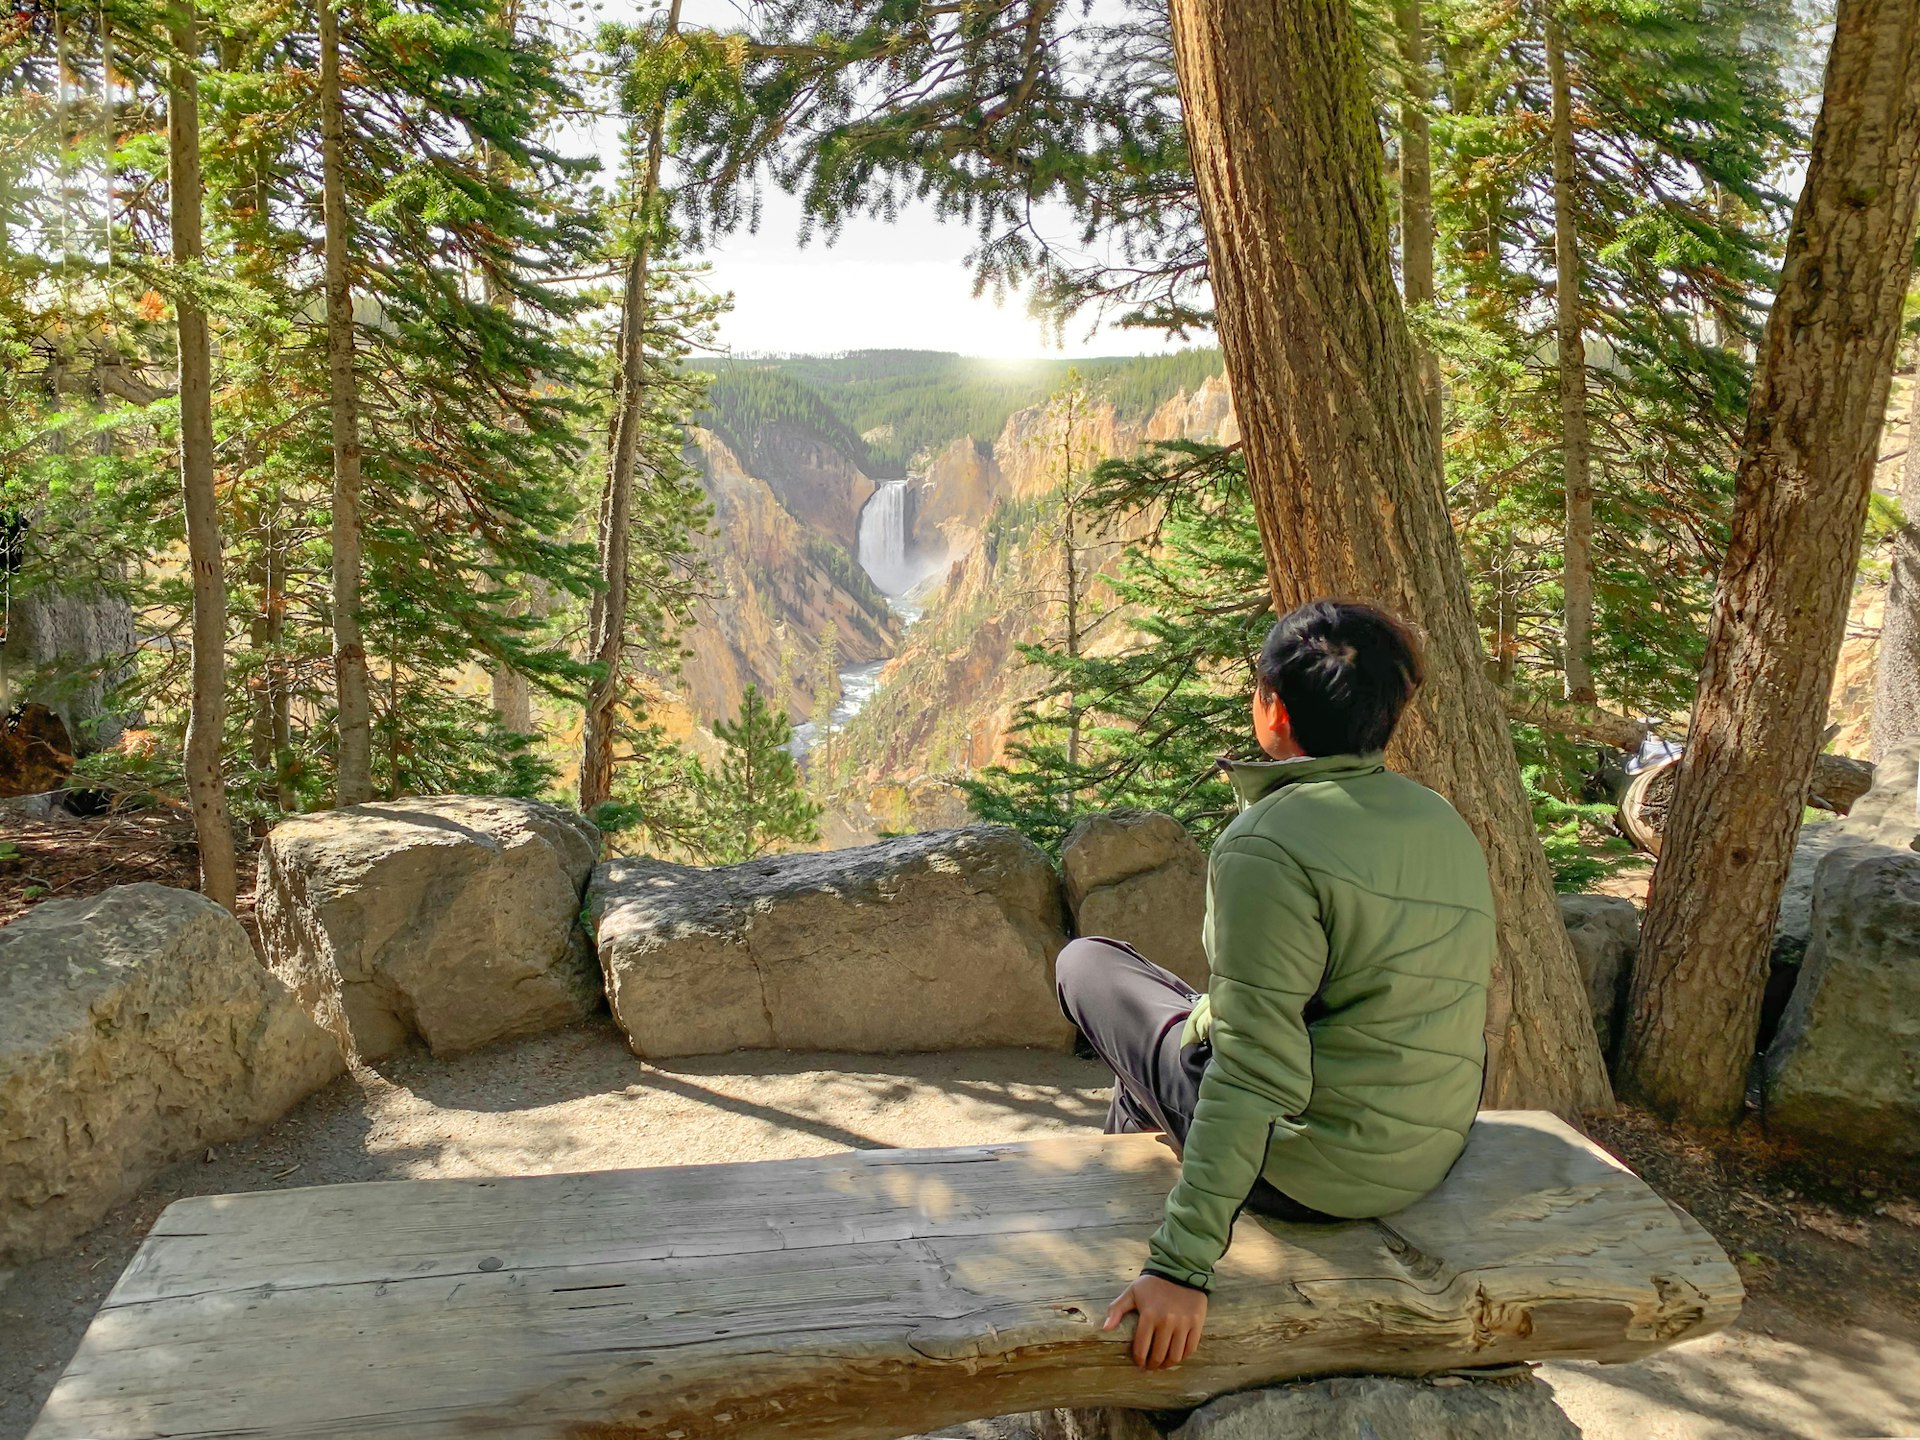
x,y
869,1294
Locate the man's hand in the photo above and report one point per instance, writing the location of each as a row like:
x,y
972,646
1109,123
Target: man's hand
x,y
1171,1319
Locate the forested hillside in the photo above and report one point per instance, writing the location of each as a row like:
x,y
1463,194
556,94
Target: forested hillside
x,y
909,403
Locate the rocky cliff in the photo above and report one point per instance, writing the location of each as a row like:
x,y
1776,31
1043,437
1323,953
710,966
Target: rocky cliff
x,y
949,697
781,573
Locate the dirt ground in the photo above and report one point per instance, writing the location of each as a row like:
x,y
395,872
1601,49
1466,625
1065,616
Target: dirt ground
x,y
68,857
1829,1345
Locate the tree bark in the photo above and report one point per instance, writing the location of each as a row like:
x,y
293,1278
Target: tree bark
x,y
353,762
1345,469
606,626
1780,608
1416,195
1896,664
1576,576
206,710
512,699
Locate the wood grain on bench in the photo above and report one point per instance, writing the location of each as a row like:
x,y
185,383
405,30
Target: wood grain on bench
x,y
868,1294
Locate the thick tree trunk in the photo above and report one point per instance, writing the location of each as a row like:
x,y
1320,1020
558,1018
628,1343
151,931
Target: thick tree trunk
x,y
1779,613
206,710
606,626
353,778
1416,194
1344,467
1896,665
1576,449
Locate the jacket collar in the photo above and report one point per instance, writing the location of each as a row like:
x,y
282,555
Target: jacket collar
x,y
1254,780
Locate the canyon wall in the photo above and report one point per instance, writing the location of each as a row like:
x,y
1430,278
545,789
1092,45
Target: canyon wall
x,y
948,699
781,574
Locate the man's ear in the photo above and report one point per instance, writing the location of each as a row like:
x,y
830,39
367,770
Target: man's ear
x,y
1273,710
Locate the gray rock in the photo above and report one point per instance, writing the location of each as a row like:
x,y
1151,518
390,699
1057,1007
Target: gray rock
x,y
1348,1407
453,918
68,649
1138,876
937,941
136,1028
1889,813
1795,925
1380,1407
1101,1424
1844,1068
1605,930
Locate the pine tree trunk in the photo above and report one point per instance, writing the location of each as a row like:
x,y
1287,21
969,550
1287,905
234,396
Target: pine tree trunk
x,y
1070,556
1576,450
606,626
353,777
1345,471
512,699
206,711
271,727
1416,194
1780,609
1896,664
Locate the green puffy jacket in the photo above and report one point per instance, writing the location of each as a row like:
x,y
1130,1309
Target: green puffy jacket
x,y
1350,932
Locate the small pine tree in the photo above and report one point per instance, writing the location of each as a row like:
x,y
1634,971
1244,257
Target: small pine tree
x,y
756,799
826,695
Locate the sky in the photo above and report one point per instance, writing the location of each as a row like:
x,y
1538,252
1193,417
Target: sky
x,y
904,285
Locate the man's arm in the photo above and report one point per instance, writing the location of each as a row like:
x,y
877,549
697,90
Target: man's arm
x,y
1268,952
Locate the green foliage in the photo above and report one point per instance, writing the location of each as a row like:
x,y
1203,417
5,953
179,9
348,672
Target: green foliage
x,y
758,800
1682,121
1159,710
1578,838
752,803
1164,706
741,398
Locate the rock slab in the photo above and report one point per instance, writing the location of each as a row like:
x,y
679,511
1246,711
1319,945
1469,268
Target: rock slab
x,y
1845,1066
1350,1407
1605,930
451,918
937,941
1138,876
136,1028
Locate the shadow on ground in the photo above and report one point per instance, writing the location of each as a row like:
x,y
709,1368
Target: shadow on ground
x,y
1829,1348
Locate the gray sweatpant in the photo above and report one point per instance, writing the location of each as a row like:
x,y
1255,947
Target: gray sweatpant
x,y
1132,1011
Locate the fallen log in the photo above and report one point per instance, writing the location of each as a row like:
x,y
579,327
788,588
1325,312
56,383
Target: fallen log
x,y
852,1297
1838,781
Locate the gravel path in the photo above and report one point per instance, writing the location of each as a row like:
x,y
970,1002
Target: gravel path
x,y
578,1100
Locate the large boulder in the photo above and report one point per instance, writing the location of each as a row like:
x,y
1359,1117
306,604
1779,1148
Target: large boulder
x,y
1138,876
1845,1066
1889,813
454,918
1605,930
136,1028
927,942
1348,1407
1794,928
1886,815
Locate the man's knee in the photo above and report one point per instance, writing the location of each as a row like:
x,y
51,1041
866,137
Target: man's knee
x,y
1079,971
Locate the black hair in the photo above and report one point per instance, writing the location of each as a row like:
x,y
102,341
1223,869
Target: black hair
x,y
1344,671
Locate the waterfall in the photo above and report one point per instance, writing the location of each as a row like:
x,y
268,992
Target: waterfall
x,y
881,546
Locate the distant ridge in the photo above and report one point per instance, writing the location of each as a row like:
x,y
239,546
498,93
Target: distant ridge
x,y
910,402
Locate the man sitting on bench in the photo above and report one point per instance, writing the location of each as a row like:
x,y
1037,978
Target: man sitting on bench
x,y
1333,1067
